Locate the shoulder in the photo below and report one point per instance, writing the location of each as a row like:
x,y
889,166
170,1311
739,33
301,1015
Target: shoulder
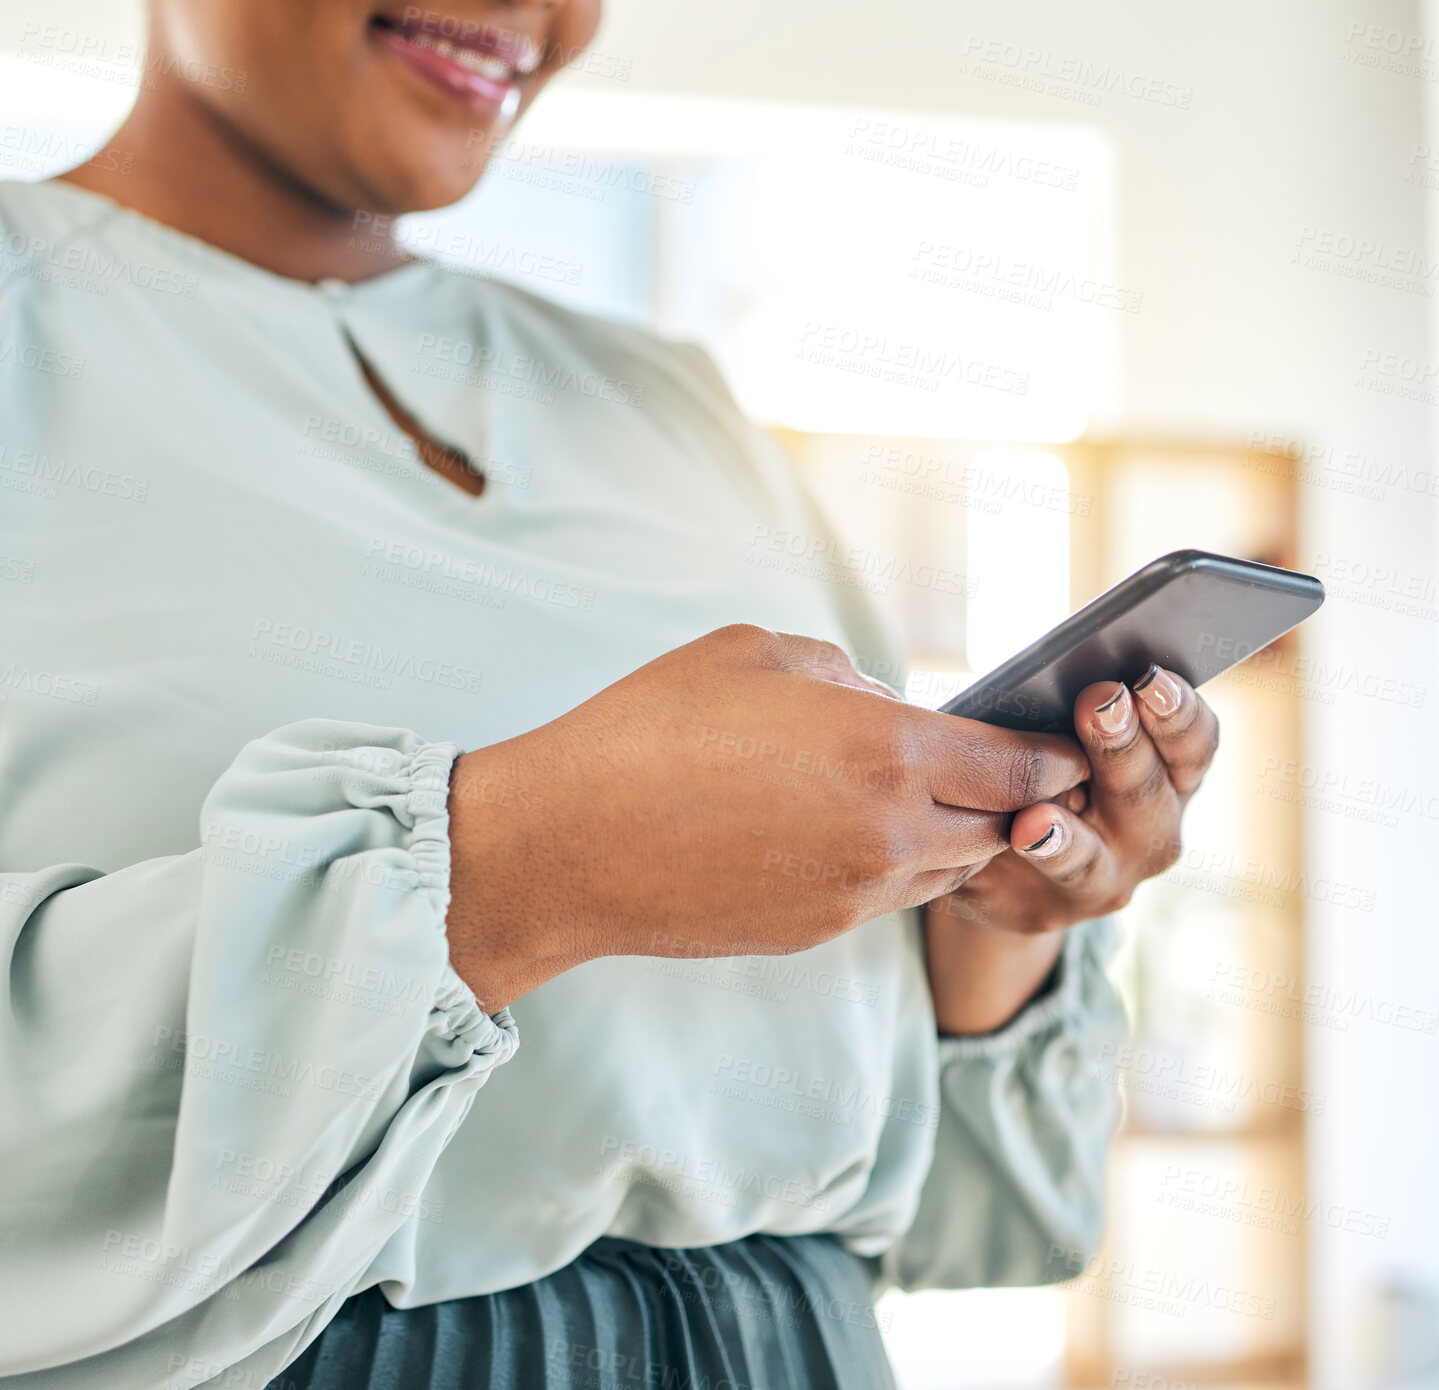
x,y
22,222
32,212
13,198
45,228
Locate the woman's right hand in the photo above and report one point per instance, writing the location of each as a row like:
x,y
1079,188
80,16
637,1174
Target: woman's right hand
x,y
748,793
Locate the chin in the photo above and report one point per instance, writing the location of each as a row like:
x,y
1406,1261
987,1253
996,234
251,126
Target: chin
x,y
426,169
396,191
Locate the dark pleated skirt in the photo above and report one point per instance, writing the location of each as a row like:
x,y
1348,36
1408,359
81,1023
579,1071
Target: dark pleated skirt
x,y
788,1312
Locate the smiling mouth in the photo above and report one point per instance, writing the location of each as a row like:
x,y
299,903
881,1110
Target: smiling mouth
x,y
475,64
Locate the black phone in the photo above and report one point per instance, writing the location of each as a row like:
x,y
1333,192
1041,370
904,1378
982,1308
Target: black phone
x,y
1193,612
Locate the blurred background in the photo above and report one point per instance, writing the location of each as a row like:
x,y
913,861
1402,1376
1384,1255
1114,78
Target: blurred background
x,y
1036,293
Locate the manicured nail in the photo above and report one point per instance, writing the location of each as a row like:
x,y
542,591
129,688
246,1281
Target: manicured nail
x,y
1160,691
1051,842
1113,716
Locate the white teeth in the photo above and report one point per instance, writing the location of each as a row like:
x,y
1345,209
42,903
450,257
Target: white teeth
x,y
495,69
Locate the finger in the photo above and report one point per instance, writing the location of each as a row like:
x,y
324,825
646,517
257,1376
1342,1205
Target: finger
x,y
1075,799
1130,788
938,883
970,764
950,838
1183,729
871,683
1068,851
826,661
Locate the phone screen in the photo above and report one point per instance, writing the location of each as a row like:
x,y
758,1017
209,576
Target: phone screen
x,y
1192,611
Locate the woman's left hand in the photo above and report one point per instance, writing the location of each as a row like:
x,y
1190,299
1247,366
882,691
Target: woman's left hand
x,y
1075,858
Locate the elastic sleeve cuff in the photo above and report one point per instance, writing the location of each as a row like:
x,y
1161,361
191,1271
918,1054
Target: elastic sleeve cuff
x,y
491,1037
422,807
425,808
1087,947
418,797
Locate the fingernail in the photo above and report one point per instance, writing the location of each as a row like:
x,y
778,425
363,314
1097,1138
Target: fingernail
x,y
1113,716
1051,842
1160,691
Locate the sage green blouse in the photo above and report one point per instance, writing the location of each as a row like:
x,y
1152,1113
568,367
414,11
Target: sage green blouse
x,y
243,634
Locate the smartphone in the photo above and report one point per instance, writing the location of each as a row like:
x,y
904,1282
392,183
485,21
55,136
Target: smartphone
x,y
1193,612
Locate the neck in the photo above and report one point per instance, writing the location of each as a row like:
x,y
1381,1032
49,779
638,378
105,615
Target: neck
x,y
174,161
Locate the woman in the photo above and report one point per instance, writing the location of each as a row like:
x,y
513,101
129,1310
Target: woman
x,y
265,1110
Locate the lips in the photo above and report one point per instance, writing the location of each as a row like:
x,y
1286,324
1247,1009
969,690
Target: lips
x,y
475,64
